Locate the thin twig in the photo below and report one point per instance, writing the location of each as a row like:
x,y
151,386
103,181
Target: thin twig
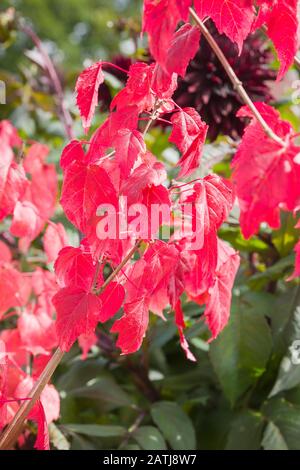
x,y
13,430
237,84
297,61
65,115
11,433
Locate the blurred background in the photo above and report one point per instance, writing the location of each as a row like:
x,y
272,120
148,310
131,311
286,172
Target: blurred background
x,y
244,390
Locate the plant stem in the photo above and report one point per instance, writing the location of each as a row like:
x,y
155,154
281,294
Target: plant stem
x,y
297,61
119,268
11,433
64,113
237,84
13,430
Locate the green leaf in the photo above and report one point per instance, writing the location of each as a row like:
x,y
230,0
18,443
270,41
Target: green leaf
x,y
273,273
234,236
96,430
174,424
245,432
103,389
240,353
286,417
273,439
288,376
149,438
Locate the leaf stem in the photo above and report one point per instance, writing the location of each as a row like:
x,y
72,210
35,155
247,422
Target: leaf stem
x,y
13,430
237,84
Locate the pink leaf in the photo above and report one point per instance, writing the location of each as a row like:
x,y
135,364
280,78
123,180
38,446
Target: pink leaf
x,y
55,239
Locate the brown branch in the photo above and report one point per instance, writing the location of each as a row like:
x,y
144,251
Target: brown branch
x,y
237,84
13,430
64,113
297,61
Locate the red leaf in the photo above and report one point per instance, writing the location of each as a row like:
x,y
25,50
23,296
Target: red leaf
x,y
73,151
5,254
14,288
77,313
189,134
87,87
75,267
211,201
112,299
160,20
37,331
132,326
281,20
217,309
181,325
232,17
138,88
129,145
182,49
13,181
265,173
85,188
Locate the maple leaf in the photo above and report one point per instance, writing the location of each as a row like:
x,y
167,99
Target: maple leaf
x,y
209,204
75,267
87,87
188,133
265,173
232,17
85,188
183,7
281,21
129,145
132,326
73,151
77,313
160,20
112,299
217,309
183,48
